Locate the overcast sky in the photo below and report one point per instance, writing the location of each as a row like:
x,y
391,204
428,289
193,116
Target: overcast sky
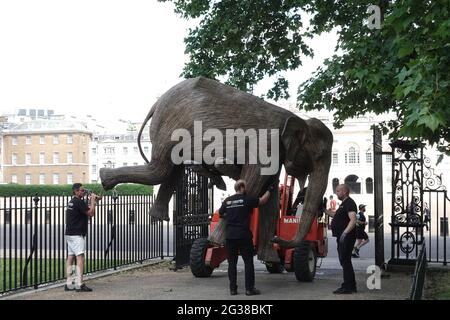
x,y
108,58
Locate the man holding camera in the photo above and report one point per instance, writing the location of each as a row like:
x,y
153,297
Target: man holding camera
x,y
343,228
236,210
77,216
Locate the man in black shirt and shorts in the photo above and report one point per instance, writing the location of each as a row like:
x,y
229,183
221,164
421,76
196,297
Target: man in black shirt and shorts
x,y
77,215
343,228
361,236
236,210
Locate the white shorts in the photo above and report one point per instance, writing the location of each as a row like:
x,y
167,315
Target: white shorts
x,y
76,245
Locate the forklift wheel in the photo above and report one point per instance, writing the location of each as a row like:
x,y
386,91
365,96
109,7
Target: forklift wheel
x,y
305,259
197,259
274,267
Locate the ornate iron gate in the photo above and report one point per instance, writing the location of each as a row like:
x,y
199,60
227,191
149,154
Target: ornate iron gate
x,y
191,213
406,216
419,200
435,216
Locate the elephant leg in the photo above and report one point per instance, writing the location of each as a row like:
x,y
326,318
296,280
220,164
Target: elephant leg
x,y
160,208
268,213
155,172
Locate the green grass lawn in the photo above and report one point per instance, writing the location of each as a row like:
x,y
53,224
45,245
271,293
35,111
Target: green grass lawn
x,y
438,285
49,270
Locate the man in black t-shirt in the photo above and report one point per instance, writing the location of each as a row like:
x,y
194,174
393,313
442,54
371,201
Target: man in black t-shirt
x,y
236,211
361,236
77,215
343,228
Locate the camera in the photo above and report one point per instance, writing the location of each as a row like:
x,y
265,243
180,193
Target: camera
x,y
88,193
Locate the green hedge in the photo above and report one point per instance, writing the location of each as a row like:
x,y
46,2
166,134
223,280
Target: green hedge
x,y
17,190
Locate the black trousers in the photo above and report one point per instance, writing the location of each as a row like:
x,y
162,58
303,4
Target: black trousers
x,y
345,259
245,247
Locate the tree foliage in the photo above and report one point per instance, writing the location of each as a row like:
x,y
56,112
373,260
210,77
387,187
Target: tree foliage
x,y
403,67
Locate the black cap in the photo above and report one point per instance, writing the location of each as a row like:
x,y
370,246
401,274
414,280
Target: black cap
x,y
361,206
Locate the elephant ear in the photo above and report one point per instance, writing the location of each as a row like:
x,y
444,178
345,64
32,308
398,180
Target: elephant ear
x,y
294,135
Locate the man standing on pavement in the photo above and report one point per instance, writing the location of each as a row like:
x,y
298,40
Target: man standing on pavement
x,y
77,215
361,236
236,210
332,204
343,228
332,207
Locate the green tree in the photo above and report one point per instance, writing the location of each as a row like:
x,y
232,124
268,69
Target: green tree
x,y
402,67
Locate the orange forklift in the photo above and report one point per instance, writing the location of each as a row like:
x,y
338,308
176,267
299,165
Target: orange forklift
x,y
302,260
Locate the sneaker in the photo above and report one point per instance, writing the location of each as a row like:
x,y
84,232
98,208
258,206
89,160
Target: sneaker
x,y
355,255
69,287
83,288
252,292
233,292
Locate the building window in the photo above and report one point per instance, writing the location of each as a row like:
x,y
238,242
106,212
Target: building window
x,y
41,158
125,150
28,140
351,155
145,149
69,139
389,158
335,158
369,185
28,158
42,139
109,150
94,169
27,178
352,182
14,178
135,150
69,178
42,178
14,141
14,158
69,157
55,139
369,156
55,157
94,151
335,183
109,164
56,178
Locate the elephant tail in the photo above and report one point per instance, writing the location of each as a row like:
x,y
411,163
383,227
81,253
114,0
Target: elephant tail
x,y
149,115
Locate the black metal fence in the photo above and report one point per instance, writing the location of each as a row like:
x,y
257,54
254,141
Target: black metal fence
x,y
33,249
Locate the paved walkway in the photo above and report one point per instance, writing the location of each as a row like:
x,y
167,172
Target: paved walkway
x,y
158,282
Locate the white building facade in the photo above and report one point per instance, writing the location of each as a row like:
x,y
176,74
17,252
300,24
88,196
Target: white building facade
x,y
116,150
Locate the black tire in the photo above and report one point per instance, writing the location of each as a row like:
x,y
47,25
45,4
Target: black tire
x,y
197,259
305,260
274,267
